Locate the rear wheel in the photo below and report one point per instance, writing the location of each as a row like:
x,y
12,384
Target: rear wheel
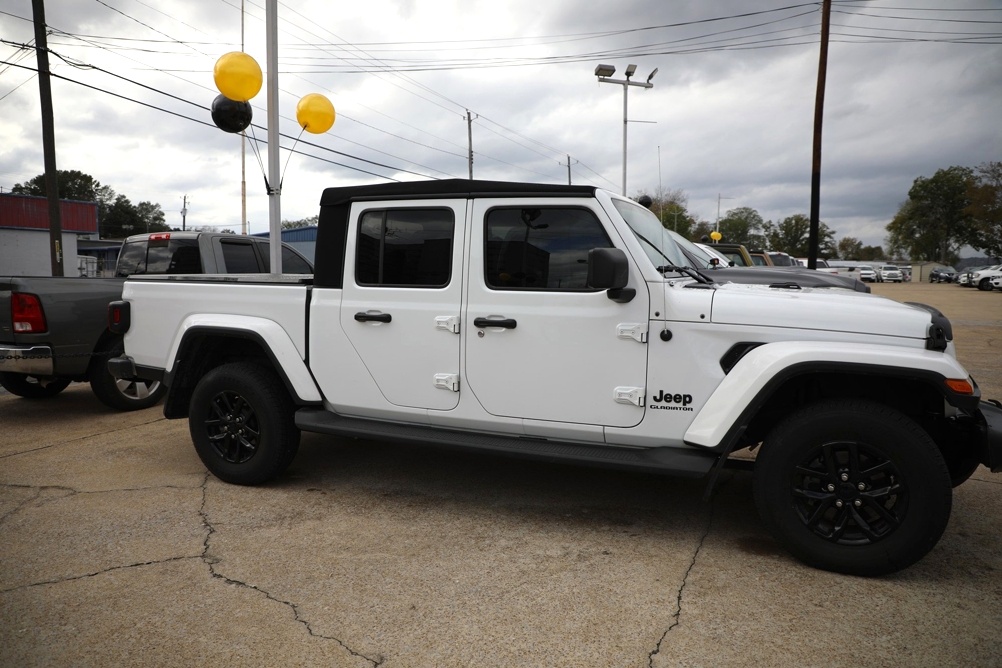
x,y
123,395
32,387
241,422
853,487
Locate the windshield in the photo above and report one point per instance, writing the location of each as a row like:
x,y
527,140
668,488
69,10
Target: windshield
x,y
661,249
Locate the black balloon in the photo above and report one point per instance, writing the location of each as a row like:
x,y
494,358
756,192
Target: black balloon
x,y
230,115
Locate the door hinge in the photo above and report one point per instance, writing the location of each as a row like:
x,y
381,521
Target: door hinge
x,y
447,381
630,395
637,332
448,323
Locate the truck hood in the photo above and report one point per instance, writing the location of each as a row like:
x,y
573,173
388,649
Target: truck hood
x,y
818,309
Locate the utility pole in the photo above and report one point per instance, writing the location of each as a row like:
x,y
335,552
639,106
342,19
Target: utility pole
x,y
184,212
469,134
819,111
568,166
48,139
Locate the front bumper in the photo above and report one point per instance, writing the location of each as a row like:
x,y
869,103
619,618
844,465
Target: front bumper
x,y
29,360
992,413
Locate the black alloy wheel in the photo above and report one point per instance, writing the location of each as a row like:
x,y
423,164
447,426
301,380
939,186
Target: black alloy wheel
x,y
853,486
241,420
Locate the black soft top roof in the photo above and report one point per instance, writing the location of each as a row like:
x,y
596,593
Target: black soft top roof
x,y
446,188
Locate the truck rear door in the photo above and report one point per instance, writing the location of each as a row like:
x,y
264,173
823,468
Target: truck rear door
x,y
391,337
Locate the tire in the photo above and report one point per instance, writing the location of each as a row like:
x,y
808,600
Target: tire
x,y
123,395
32,387
853,487
985,284
241,422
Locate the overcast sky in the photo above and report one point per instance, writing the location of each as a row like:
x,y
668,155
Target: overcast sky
x,y
913,86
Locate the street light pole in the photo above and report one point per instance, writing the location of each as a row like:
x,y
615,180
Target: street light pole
x,y
604,72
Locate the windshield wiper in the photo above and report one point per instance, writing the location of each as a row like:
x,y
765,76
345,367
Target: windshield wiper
x,y
688,271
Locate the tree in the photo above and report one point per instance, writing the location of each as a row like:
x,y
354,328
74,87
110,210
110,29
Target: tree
x,y
117,216
302,222
849,248
934,222
792,236
872,253
71,185
985,209
670,206
744,226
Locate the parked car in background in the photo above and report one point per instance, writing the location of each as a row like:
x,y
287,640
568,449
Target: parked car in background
x,y
890,274
760,258
866,273
997,282
964,276
736,253
942,275
780,259
54,329
982,279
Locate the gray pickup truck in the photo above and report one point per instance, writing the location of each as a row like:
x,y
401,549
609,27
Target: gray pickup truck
x,y
54,330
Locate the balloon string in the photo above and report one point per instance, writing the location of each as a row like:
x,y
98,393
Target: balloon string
x,y
256,150
291,151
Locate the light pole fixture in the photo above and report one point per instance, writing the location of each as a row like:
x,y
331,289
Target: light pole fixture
x,y
604,72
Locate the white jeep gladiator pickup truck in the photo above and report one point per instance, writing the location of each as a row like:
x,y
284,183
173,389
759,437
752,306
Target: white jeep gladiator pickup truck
x,y
562,323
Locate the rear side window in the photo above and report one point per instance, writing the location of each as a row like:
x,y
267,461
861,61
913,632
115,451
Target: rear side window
x,y
540,248
239,258
160,256
292,262
405,248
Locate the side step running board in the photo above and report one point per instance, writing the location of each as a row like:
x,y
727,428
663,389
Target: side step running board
x,y
676,461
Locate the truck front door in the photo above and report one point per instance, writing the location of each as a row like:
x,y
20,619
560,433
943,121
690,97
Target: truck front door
x,y
540,344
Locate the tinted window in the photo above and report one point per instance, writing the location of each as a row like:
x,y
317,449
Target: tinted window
x,y
540,248
160,256
132,259
405,247
292,262
239,258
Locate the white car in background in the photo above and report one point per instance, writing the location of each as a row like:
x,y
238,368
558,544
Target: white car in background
x,y
997,283
866,273
891,274
982,279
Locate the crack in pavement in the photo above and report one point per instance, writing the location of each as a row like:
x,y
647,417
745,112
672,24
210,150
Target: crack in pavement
x,y
80,438
211,562
678,613
84,576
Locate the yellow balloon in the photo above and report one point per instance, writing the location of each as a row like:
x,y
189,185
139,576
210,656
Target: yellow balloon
x,y
237,76
716,236
315,113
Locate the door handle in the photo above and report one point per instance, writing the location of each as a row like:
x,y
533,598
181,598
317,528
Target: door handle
x,y
373,317
507,323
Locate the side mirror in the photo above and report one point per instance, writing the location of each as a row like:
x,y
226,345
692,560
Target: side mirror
x,y
609,269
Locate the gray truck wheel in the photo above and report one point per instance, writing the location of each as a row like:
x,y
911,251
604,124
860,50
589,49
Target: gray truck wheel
x,y
123,395
985,284
853,487
32,387
242,425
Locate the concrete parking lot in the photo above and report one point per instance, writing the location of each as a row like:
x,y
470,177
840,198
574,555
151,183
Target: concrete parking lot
x,y
118,549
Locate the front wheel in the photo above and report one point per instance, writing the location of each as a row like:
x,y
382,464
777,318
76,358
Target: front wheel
x,y
32,387
985,284
241,422
853,487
